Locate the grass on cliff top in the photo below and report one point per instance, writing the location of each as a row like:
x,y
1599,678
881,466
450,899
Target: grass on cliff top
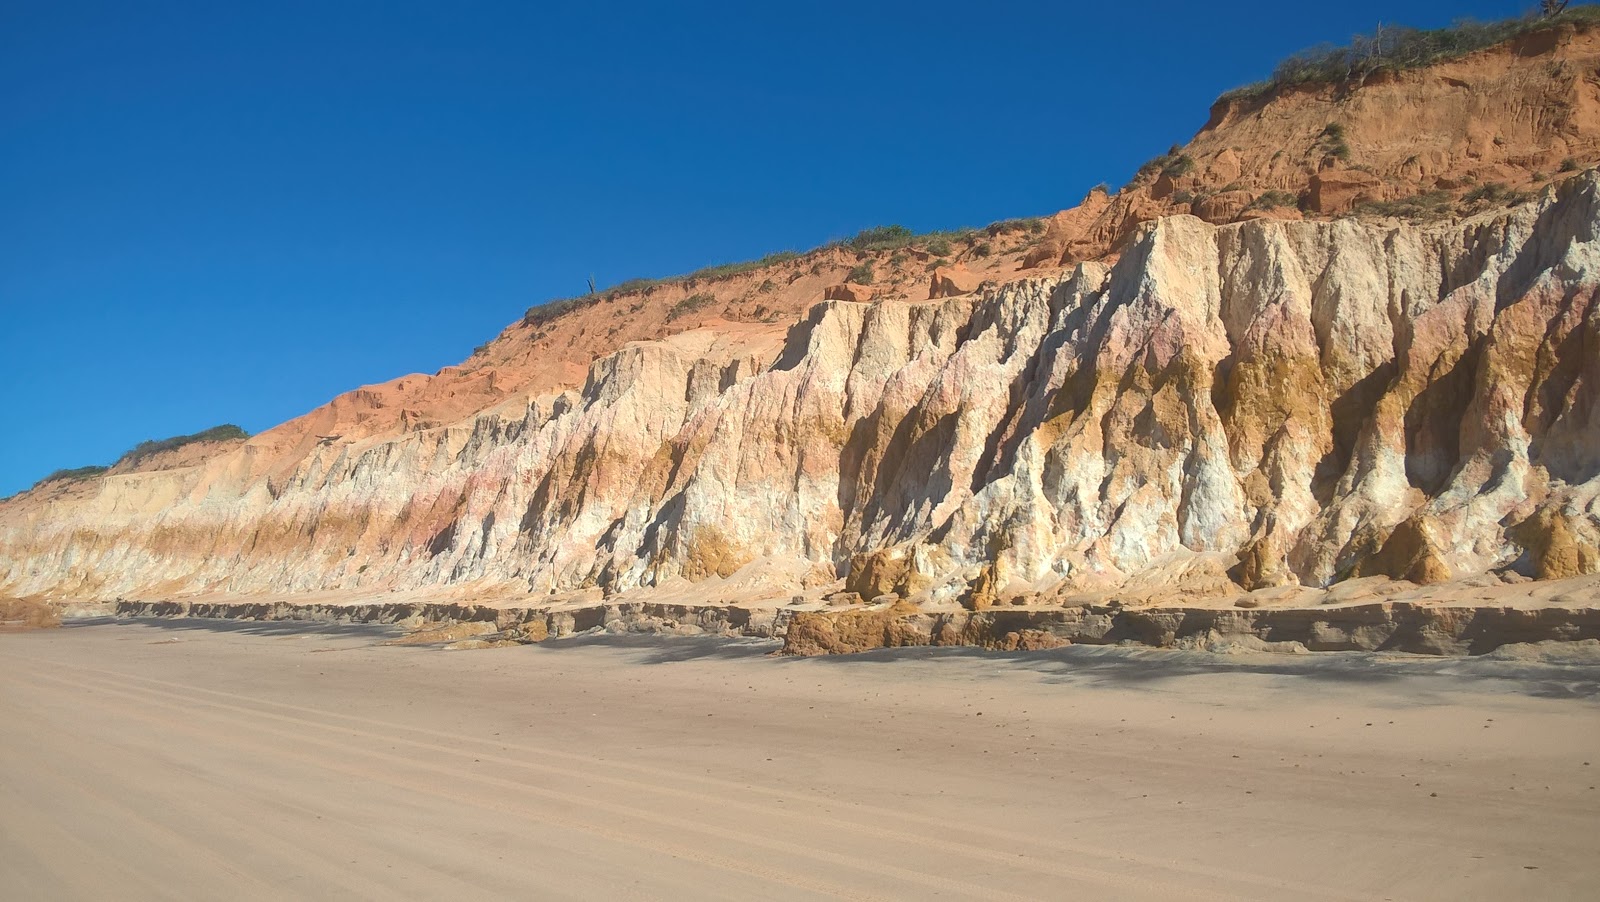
x,y
227,432
873,240
1397,48
72,474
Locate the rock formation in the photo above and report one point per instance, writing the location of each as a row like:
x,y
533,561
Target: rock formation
x,y
1201,409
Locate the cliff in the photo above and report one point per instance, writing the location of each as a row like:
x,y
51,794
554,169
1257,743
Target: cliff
x,y
1135,399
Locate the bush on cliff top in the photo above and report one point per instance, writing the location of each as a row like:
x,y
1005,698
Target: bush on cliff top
x,y
1398,48
878,238
227,432
72,475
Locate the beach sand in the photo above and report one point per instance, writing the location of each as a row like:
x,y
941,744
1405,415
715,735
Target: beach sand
x,y
226,759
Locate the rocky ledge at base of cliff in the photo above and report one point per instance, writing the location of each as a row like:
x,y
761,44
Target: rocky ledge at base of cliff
x,y
1416,627
1383,626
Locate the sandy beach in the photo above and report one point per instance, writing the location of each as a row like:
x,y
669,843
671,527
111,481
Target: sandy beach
x,y
220,759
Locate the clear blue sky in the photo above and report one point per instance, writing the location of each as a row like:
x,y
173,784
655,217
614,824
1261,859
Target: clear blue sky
x,y
231,212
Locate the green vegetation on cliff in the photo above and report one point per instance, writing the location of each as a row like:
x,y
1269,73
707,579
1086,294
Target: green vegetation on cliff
x,y
1395,48
227,432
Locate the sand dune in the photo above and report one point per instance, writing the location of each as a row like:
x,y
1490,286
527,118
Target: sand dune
x,y
205,759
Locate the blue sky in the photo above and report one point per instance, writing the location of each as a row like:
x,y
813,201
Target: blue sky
x,y
231,212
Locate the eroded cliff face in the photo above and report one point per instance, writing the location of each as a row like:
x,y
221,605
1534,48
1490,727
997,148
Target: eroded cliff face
x,y
1432,142
1442,141
1255,404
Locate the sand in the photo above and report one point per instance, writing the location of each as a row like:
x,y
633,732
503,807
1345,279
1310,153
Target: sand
x,y
218,759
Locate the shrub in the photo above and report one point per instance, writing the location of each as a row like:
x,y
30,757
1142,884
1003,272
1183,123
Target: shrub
x,y
939,247
72,475
227,432
1401,48
881,238
1271,200
861,275
982,250
1569,165
1159,164
633,286
1332,141
1492,193
1180,165
1427,205
725,270
1007,226
540,314
690,304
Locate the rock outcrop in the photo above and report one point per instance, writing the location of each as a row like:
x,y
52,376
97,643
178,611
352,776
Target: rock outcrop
x,y
1415,629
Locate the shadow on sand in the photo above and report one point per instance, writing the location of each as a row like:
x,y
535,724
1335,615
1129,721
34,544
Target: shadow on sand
x,y
1077,664
1134,666
275,628
670,649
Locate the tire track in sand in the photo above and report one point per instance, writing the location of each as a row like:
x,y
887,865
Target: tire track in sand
x,y
345,750
1008,857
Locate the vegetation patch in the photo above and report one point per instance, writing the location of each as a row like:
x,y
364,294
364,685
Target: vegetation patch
x,y
1272,200
1182,165
1172,164
690,304
1427,205
861,275
542,314
1397,48
881,238
1332,141
727,270
898,237
1491,194
73,474
227,432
